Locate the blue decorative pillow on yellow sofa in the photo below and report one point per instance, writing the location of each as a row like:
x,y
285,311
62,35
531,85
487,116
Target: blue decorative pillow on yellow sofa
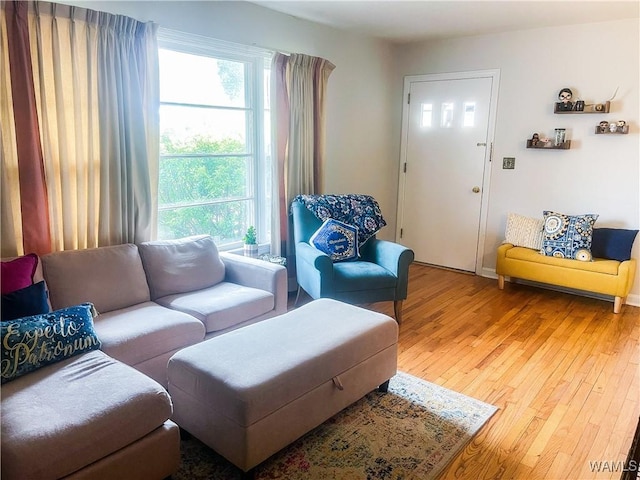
x,y
568,236
29,343
613,243
337,239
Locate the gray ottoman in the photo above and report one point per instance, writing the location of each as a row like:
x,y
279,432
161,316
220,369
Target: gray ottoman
x,y
253,391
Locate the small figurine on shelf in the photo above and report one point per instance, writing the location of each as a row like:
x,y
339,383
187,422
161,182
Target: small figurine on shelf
x,y
613,126
604,126
565,104
621,125
535,139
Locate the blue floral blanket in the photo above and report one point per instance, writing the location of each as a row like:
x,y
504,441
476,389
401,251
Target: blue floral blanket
x,y
361,211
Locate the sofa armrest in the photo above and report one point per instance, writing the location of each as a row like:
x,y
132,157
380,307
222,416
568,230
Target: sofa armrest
x,y
627,270
255,273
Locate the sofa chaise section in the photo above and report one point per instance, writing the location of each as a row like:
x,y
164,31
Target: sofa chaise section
x,y
88,416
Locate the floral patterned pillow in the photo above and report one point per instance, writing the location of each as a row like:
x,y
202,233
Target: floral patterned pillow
x,y
360,211
568,236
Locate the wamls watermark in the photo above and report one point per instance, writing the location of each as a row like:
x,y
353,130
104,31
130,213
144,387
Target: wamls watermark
x,y
605,466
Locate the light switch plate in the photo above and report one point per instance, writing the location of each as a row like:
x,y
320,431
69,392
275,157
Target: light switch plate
x,y
509,163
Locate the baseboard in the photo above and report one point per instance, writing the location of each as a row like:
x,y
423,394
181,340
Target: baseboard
x,y
632,299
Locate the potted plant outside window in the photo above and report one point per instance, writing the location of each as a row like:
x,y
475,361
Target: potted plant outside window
x,y
251,242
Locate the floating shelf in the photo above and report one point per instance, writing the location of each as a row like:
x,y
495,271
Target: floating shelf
x,y
591,108
566,145
619,131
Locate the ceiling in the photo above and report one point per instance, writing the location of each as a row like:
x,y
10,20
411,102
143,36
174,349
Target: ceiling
x,y
408,21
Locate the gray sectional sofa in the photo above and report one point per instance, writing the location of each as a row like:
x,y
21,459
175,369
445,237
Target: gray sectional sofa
x,y
152,300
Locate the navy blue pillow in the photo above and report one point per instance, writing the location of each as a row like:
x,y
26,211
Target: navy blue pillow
x,y
31,300
337,239
613,243
29,343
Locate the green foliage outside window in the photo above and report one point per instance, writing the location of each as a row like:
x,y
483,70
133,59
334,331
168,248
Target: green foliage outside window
x,y
188,185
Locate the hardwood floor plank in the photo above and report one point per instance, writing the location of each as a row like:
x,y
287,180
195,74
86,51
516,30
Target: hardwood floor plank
x,y
563,370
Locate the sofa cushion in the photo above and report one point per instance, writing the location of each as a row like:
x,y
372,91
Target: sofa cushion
x,y
613,243
109,277
30,343
17,273
67,415
524,231
337,239
599,265
568,236
223,305
183,265
144,331
31,300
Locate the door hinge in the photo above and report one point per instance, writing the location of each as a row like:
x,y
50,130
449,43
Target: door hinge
x,y
401,231
405,167
491,152
408,98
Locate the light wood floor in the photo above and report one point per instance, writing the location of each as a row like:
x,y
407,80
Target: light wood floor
x,y
563,370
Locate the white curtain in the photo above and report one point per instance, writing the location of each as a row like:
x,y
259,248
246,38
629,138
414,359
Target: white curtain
x,y
95,78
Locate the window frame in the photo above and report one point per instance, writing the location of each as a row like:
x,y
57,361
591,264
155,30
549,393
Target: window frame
x,y
256,60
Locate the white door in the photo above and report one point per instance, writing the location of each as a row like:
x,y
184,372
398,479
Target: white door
x,y
447,132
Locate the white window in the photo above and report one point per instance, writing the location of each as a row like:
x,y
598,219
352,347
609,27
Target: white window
x,y
215,141
469,114
446,115
427,113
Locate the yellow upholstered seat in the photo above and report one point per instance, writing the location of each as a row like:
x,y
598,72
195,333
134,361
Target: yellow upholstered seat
x,y
606,277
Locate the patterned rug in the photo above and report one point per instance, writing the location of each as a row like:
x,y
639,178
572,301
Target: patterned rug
x,y
411,432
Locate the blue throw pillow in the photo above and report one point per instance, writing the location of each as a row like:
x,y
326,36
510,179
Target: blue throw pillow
x,y
32,342
613,243
337,239
25,302
568,236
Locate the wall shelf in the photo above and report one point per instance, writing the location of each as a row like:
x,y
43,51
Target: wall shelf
x,y
619,131
566,145
591,108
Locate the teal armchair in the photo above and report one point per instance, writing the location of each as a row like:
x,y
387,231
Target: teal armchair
x,y
380,274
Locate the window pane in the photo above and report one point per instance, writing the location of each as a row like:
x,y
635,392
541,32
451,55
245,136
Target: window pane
x,y
226,222
446,115
427,111
189,180
195,129
469,114
200,80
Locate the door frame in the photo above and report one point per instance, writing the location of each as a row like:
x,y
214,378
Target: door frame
x,y
494,74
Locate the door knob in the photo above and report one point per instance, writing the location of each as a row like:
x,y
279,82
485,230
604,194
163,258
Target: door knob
x,y
476,190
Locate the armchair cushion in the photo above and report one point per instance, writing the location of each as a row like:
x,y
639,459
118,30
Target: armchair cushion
x,y
337,239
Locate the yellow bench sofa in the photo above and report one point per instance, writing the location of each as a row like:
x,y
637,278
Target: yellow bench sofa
x,y
606,277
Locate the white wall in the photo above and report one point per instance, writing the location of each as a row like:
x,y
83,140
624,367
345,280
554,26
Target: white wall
x,y
360,151
600,173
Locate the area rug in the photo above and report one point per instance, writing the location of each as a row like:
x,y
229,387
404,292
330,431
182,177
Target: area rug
x,y
411,432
